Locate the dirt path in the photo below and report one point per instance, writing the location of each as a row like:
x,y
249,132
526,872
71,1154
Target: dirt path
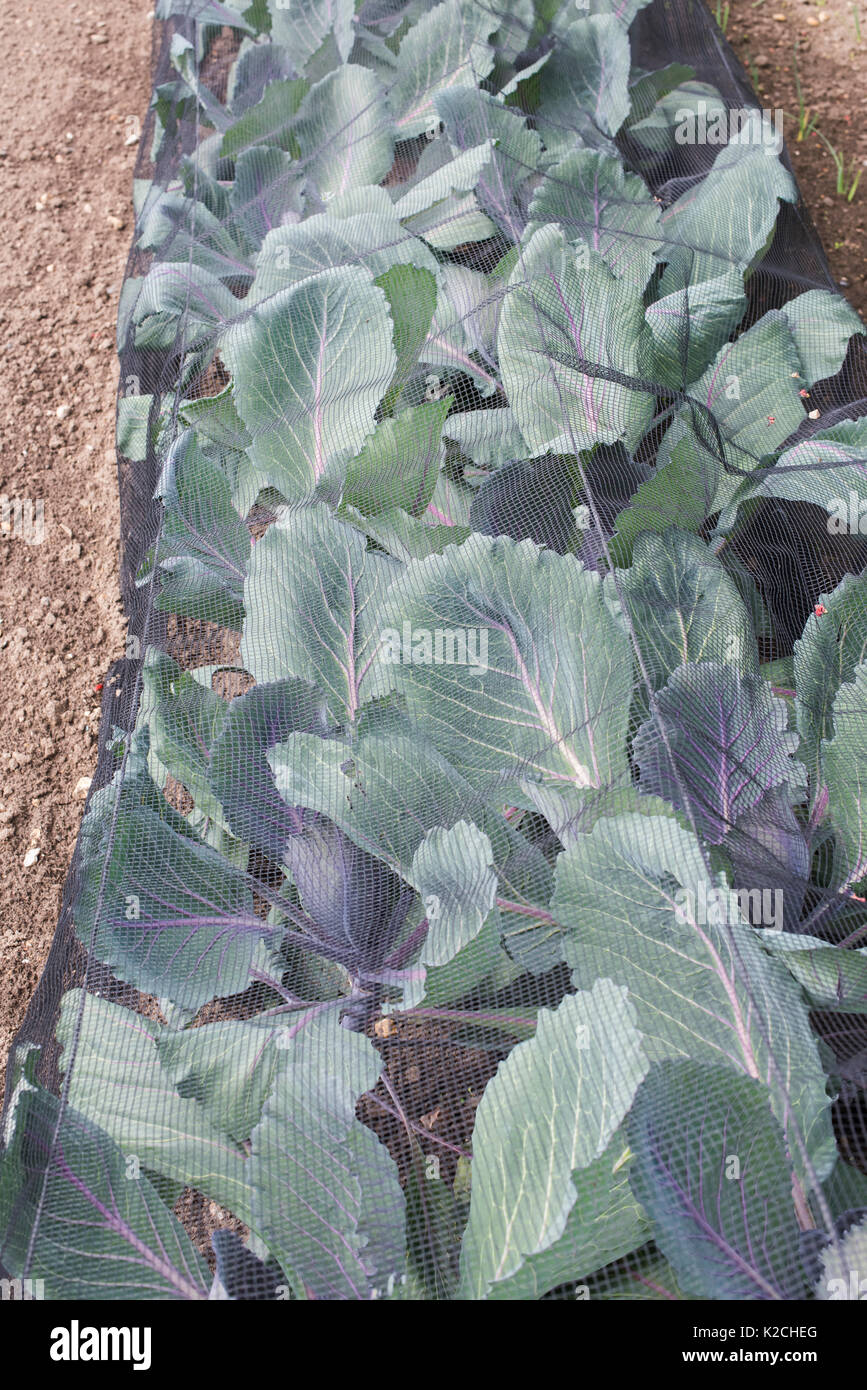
x,y
821,44
75,81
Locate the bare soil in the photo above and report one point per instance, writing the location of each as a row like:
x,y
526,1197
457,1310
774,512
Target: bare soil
x,y
76,82
76,78
821,44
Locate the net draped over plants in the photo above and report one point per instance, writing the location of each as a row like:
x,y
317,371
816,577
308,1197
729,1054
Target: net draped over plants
x,y
470,901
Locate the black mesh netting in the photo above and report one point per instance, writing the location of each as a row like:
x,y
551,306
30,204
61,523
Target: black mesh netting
x,y
470,903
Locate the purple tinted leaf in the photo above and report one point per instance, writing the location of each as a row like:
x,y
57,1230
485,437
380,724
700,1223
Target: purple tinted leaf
x,y
717,743
240,775
711,1171
71,1215
358,904
326,1192
769,855
159,907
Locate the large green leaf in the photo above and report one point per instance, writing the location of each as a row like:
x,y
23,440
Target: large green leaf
x,y
844,758
827,470
551,1111
725,221
569,330
302,26
636,905
832,645
184,718
605,1224
203,546
226,1069
115,1079
822,324
680,495
326,1192
411,291
164,911
372,238
751,389
447,47
684,607
515,663
710,1170
399,464
60,1175
453,872
267,191
688,327
270,121
310,368
714,744
595,202
312,602
344,131
181,303
585,82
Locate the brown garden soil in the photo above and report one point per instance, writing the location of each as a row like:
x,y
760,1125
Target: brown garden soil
x,y
76,80
76,77
817,43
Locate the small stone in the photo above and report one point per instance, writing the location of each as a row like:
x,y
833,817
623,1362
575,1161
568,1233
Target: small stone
x,y
814,23
116,222
813,415
69,553
99,38
48,749
31,857
81,788
62,411
763,61
780,18
55,442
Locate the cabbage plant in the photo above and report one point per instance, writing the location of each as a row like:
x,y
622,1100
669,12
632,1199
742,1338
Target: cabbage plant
x,y
466,407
